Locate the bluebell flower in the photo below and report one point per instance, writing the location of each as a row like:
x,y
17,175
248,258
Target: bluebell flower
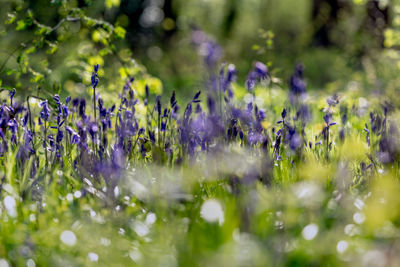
x,y
13,126
45,112
376,123
295,140
11,95
93,129
367,136
60,136
251,80
196,97
198,109
172,101
25,119
94,78
163,126
207,48
82,108
158,104
152,136
258,73
146,88
211,104
261,69
75,102
65,111
56,98
277,146
230,76
283,114
297,85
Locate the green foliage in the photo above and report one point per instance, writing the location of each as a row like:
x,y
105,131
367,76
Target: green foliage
x,y
34,47
333,204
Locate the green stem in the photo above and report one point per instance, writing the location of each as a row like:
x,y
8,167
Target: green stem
x,y
45,144
94,110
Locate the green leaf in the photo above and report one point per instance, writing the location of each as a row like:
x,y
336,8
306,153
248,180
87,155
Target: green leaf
x,y
37,77
30,14
53,47
11,18
119,32
90,22
11,71
21,25
105,51
30,50
111,3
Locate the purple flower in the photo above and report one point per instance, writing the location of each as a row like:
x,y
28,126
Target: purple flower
x,y
75,138
261,69
230,76
163,126
82,108
207,48
297,85
65,111
60,136
75,102
56,98
196,97
211,104
251,80
259,72
367,137
94,78
295,141
172,101
152,136
158,104
93,129
283,114
12,93
45,112
261,115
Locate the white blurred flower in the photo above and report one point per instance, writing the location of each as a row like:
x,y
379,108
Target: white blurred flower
x,y
310,231
11,206
68,238
93,256
211,211
342,246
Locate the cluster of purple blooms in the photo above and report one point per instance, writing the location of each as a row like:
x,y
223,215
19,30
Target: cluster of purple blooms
x,y
102,145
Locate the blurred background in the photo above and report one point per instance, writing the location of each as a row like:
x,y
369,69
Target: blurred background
x,y
337,40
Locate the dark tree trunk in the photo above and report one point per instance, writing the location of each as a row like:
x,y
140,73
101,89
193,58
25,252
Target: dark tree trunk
x,y
325,17
377,20
169,12
230,16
